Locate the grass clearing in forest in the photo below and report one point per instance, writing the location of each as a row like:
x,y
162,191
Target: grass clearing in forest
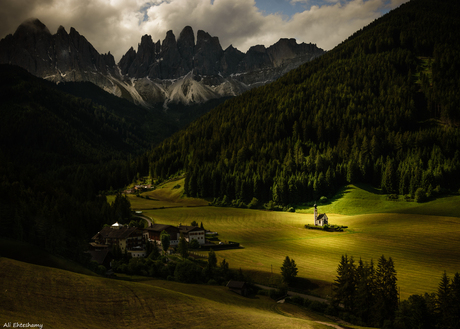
x,y
422,239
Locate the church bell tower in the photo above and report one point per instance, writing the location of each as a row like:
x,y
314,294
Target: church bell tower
x,y
316,214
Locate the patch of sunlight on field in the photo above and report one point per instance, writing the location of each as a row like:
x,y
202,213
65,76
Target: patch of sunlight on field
x,y
423,239
421,246
167,195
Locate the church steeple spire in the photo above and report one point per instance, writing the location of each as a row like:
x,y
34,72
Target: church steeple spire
x,y
316,214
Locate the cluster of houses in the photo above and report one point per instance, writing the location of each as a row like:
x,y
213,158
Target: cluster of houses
x,y
138,188
134,240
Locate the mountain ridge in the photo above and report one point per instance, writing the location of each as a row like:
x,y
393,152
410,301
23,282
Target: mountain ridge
x,y
149,76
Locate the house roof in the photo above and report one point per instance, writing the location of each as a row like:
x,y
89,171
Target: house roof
x,y
187,229
100,256
320,216
161,228
236,284
121,233
97,245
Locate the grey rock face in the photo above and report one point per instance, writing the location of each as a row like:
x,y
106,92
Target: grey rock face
x,y
53,56
158,72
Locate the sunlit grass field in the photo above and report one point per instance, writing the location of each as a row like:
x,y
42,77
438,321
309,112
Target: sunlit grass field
x,y
422,239
61,299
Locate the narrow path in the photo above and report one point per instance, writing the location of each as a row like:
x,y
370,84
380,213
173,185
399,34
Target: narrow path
x,y
330,325
293,293
148,219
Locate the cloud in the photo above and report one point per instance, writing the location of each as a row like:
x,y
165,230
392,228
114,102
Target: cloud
x,y
117,25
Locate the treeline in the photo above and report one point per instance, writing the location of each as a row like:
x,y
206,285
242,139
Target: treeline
x,y
185,269
367,295
380,108
435,310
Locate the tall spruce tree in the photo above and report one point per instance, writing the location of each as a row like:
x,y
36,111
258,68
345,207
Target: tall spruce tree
x,y
288,270
386,291
444,301
344,285
365,291
182,247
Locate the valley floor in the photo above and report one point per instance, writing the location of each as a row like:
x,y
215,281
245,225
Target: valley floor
x,y
422,239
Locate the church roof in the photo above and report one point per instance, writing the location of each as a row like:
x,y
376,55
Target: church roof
x,y
320,216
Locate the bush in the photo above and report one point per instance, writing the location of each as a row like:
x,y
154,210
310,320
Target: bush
x,y
331,310
297,300
194,244
420,195
253,204
323,199
263,292
101,270
318,306
188,272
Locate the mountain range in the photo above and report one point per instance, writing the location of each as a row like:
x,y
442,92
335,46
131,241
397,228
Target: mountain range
x,y
172,71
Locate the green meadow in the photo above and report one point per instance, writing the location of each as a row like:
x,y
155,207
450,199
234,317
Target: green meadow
x,y
422,239
56,298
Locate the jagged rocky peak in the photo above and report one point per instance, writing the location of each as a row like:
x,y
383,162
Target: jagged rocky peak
x,y
127,60
57,57
232,57
32,25
255,59
208,54
61,31
169,41
186,44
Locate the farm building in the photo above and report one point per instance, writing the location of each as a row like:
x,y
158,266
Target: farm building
x,y
190,233
239,287
193,233
154,232
127,238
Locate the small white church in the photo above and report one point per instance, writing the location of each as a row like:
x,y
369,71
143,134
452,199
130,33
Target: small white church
x,y
320,220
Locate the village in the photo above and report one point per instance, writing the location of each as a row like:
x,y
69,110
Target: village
x,y
135,241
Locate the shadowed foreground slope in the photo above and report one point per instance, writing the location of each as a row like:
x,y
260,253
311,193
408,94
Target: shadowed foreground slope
x,y
59,299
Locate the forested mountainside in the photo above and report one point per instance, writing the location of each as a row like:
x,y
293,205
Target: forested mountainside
x,y
57,152
382,108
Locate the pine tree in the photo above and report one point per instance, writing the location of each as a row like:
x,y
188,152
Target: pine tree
x,y
288,270
444,301
165,239
455,301
182,247
365,291
386,291
344,285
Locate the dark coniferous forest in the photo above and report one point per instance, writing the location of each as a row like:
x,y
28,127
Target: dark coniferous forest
x,y
57,152
380,108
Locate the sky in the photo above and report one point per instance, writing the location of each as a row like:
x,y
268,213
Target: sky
x,y
117,25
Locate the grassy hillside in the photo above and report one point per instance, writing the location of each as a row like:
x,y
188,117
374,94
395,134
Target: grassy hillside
x,y
365,199
25,252
61,299
422,239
